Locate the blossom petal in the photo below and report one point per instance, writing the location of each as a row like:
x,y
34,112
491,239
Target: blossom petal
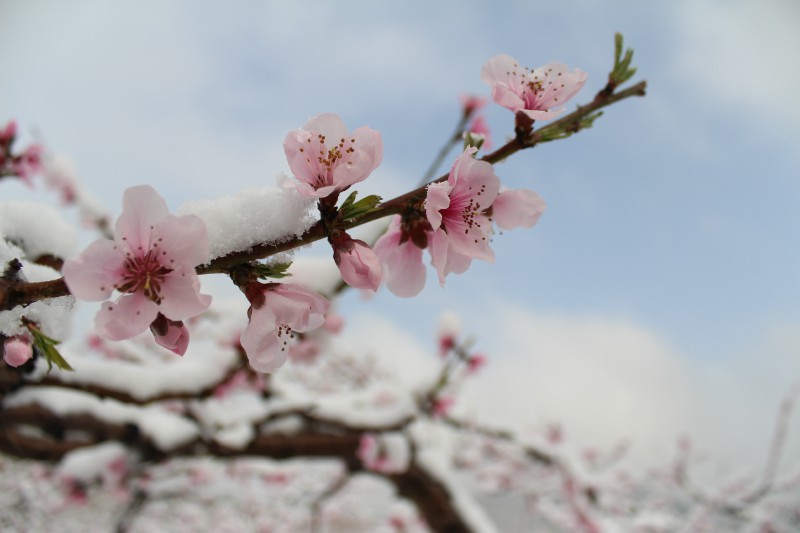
x,y
94,273
181,240
301,308
330,125
404,272
438,250
437,200
504,96
367,156
303,166
540,114
180,297
445,259
260,342
515,208
473,241
131,315
560,84
497,69
142,209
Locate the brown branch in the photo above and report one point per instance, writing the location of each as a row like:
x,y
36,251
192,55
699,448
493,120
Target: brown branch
x,y
430,496
107,392
20,293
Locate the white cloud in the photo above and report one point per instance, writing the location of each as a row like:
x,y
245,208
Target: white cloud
x,y
743,55
608,379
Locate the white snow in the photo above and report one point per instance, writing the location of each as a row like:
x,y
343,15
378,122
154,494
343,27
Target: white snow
x,y
91,462
166,430
236,436
146,375
37,229
319,274
52,316
258,215
59,173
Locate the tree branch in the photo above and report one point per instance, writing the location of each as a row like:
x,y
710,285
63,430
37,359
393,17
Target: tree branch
x,y
15,293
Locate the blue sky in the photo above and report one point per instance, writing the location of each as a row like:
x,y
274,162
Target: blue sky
x,y
674,220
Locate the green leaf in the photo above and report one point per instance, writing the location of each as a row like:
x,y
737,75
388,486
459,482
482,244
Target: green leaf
x,y
473,139
547,135
352,209
348,202
273,270
622,70
47,347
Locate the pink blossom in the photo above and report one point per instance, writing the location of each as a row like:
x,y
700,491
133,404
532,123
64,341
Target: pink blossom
x,y
17,351
7,135
387,453
455,210
59,174
242,379
358,264
442,406
75,491
471,103
151,262
515,208
334,322
446,343
277,310
404,271
325,157
170,334
28,163
475,363
532,92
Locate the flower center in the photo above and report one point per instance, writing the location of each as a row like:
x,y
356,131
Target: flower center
x,y
466,210
144,273
329,158
284,334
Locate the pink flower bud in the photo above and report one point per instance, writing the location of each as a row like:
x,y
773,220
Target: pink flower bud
x,y
387,453
170,334
471,103
9,132
442,406
29,162
17,351
475,363
358,264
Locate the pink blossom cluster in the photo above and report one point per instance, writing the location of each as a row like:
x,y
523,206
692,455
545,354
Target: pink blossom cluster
x,y
151,261
456,227
24,164
326,159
